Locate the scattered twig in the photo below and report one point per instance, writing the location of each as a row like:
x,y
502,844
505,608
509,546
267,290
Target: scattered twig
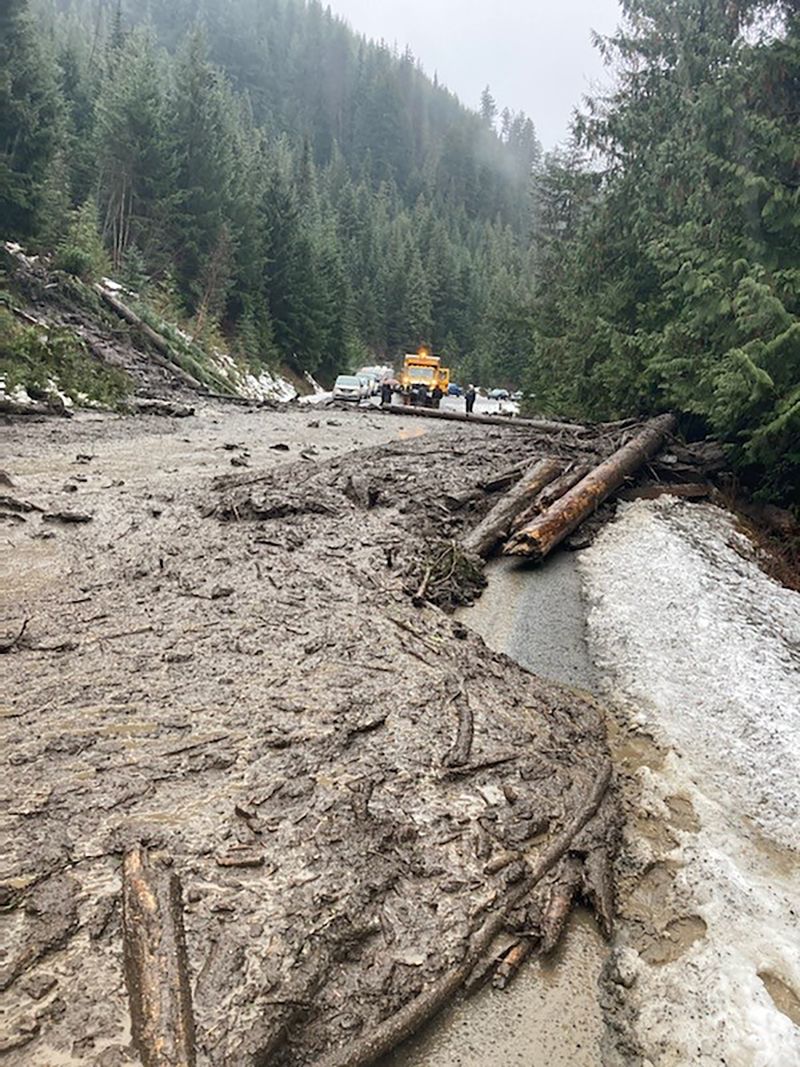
x,y
7,646
388,1034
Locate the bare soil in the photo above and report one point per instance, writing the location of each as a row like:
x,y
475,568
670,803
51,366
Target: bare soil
x,y
224,664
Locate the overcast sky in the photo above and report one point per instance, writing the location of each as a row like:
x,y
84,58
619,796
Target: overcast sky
x,y
536,55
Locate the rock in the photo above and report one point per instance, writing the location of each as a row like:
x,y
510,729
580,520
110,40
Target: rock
x,y
623,967
38,985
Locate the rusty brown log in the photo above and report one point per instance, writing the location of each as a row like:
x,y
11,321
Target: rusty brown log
x,y
550,494
551,527
511,962
559,904
512,421
156,968
497,524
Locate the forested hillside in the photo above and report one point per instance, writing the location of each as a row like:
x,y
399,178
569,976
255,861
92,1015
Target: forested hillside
x,y
312,194
667,239
299,194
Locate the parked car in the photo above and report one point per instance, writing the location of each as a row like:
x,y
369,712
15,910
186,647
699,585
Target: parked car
x,y
373,377
498,394
348,387
454,390
366,386
518,396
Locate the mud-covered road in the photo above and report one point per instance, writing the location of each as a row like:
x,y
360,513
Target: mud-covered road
x,y
211,652
222,664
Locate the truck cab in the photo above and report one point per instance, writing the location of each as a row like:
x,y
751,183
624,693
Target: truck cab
x,y
422,376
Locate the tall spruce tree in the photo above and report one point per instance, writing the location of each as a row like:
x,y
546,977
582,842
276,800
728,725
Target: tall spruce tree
x,y
30,121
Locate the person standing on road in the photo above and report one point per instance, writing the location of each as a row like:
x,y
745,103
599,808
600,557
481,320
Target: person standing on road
x,y
437,395
386,394
470,398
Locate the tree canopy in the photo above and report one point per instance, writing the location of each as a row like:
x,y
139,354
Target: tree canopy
x,y
668,237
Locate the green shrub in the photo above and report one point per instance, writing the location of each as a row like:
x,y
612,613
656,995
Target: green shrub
x,y
40,360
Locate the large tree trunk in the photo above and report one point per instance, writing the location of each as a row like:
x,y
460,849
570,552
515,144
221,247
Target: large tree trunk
x,y
158,342
561,518
545,425
495,527
156,969
548,496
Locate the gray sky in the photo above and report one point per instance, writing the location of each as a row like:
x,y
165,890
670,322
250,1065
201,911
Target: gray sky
x,y
536,56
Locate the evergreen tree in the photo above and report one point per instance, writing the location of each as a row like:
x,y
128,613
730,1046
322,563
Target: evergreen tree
x,y
203,134
488,107
134,157
30,121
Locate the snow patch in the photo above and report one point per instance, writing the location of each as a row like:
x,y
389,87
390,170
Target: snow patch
x,y
707,648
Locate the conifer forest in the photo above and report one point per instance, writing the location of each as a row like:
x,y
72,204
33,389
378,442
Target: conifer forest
x,y
320,200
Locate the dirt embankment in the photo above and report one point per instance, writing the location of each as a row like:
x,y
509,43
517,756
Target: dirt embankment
x,y
228,670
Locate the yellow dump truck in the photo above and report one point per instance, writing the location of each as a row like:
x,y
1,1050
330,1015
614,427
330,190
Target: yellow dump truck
x,y
424,380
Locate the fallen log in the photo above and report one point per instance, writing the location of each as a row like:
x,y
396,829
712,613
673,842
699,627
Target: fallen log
x,y
550,528
497,524
686,490
514,421
34,407
511,962
163,355
550,494
387,1035
156,968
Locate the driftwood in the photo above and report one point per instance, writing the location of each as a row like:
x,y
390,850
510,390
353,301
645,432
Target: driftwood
x,y
550,528
156,969
497,524
514,421
394,1030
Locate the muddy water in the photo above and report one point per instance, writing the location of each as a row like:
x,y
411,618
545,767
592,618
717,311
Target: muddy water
x,y
549,1016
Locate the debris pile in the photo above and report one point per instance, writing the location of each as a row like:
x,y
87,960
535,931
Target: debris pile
x,y
347,807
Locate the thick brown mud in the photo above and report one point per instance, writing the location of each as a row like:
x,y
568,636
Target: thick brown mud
x,y
224,665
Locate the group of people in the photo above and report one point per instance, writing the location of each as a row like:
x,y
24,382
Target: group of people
x,y
387,390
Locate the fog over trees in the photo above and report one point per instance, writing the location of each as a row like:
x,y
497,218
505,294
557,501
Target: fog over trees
x,y
316,198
